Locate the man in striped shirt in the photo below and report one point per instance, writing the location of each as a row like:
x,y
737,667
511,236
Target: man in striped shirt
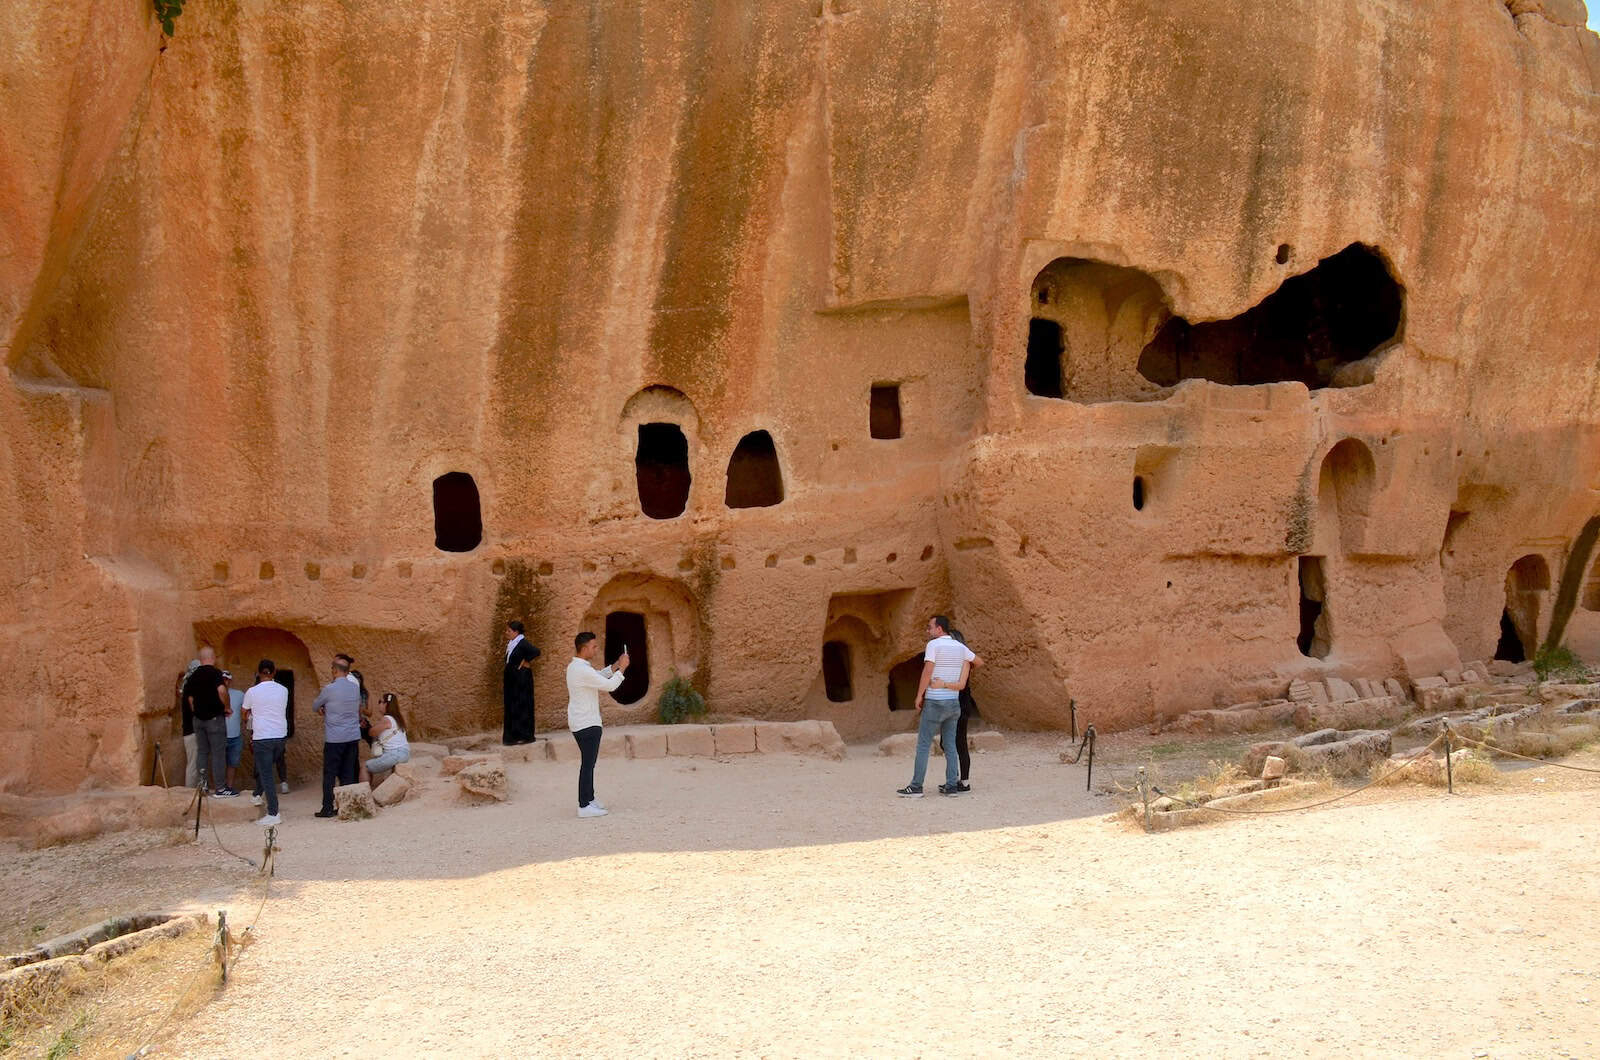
x,y
941,662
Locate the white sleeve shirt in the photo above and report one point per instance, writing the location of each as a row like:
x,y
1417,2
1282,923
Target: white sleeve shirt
x,y
584,685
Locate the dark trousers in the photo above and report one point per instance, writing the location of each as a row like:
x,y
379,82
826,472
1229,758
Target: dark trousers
x,y
339,762
589,747
280,759
266,752
968,709
211,745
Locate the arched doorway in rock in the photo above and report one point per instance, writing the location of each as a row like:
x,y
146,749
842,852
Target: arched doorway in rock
x,y
659,620
626,631
242,651
457,513
660,429
1527,586
1344,494
755,479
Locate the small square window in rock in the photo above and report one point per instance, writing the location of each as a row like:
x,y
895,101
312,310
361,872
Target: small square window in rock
x,y
885,410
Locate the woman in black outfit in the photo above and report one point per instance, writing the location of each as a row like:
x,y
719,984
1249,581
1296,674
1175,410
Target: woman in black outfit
x,y
969,710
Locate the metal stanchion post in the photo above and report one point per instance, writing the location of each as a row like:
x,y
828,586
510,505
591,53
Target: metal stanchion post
x,y
1449,767
1144,793
1072,717
199,801
1088,780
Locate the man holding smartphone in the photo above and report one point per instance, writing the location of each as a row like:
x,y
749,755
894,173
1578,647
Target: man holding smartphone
x,y
584,685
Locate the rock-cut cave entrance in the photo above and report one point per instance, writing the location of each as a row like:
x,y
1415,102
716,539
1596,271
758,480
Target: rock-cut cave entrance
x,y
627,629
903,680
457,513
1313,640
661,469
1527,584
754,478
836,671
1309,330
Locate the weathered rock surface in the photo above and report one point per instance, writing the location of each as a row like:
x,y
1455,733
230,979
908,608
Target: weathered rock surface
x,y
354,802
386,242
484,782
392,791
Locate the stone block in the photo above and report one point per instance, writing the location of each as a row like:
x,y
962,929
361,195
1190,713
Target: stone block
x,y
1299,692
437,750
1452,677
986,741
799,737
1437,699
537,751
453,764
1340,690
613,745
354,802
1273,768
1501,668
1356,714
900,743
1393,687
563,748
1354,754
484,782
734,739
691,740
648,743
1364,688
393,790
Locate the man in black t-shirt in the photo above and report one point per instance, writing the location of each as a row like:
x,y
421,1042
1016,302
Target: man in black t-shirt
x,y
206,693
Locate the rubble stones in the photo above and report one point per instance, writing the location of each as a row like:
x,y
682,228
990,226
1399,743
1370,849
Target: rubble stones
x,y
1357,714
484,782
354,802
392,791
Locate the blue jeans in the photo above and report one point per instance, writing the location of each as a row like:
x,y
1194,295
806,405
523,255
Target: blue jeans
x,y
266,752
938,715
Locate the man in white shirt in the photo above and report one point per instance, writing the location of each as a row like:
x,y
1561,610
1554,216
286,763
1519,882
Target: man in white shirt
x,y
584,685
266,706
942,662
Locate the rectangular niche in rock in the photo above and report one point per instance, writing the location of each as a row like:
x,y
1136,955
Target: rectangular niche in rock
x,y
885,410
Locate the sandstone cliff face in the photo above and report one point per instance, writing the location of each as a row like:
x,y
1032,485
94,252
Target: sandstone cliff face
x,y
260,291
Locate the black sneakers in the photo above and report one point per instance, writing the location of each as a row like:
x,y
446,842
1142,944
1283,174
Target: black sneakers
x,y
953,789
326,813
910,791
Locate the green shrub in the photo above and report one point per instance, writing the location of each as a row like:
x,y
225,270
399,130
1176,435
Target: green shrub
x,y
679,700
167,12
1558,662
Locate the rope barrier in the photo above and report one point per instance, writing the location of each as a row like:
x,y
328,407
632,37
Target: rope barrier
x,y
268,870
1487,746
1308,806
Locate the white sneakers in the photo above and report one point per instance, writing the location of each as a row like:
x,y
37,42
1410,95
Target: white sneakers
x,y
597,802
270,819
594,809
255,800
283,786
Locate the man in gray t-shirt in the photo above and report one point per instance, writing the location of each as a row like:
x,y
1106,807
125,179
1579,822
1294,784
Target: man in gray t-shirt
x,y
339,703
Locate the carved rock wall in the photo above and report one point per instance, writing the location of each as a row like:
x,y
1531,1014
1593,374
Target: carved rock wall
x,y
259,290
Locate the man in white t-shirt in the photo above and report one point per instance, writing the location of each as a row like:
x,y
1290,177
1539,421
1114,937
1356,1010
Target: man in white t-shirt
x,y
266,706
942,661
584,685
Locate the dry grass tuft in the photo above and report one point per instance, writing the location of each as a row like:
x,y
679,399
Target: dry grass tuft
x,y
1546,736
1473,768
107,1008
1218,780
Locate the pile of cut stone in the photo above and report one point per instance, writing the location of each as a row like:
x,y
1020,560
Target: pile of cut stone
x,y
1348,726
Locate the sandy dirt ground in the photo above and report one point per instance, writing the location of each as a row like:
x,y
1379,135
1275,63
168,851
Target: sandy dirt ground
x,y
793,906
